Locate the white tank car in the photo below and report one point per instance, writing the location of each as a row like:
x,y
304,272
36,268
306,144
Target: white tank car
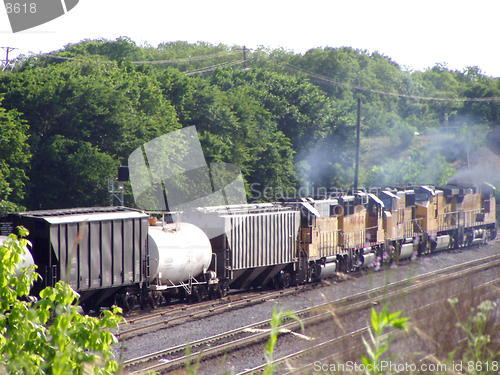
x,y
26,258
177,254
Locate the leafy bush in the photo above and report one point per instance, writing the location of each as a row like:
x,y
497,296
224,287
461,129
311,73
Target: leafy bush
x,y
379,343
48,336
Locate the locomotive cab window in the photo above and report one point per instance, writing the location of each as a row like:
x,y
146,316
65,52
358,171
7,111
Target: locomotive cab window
x,y
421,197
387,202
486,206
410,199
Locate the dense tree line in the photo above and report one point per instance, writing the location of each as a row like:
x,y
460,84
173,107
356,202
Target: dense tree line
x,y
287,120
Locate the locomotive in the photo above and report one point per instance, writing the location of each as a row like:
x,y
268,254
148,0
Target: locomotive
x,y
124,256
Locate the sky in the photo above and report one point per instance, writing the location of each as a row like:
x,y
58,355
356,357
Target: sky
x,y
414,34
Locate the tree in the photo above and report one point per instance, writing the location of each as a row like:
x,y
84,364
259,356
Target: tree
x,y
419,167
98,113
234,127
14,159
123,48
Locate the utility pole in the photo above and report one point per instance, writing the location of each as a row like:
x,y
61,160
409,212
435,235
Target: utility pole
x,y
356,172
244,57
7,50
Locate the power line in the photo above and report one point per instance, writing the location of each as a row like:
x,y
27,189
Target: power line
x,y
187,59
175,61
213,67
329,80
191,72
292,67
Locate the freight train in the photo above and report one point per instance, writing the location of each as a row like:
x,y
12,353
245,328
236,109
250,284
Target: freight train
x,y
118,255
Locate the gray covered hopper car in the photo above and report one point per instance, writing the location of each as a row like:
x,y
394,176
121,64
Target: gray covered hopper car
x,y
253,244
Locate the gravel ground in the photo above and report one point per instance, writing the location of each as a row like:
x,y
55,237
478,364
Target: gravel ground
x,y
331,290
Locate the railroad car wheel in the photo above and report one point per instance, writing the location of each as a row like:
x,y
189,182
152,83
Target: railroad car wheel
x,y
281,280
155,299
132,301
224,288
213,292
145,302
345,264
342,265
309,273
87,307
469,237
493,234
218,292
287,280
123,302
168,299
453,241
201,293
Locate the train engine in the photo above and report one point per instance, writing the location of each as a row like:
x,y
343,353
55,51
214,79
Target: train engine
x,y
338,234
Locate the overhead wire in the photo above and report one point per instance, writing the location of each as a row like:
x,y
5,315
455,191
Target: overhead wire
x,y
187,59
286,65
213,67
360,88
173,61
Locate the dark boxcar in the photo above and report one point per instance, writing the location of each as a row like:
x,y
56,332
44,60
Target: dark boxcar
x,y
98,251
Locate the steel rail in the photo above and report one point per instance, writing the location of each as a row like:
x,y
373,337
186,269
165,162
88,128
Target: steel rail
x,y
356,334
342,307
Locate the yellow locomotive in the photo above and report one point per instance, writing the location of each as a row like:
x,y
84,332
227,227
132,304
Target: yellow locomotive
x,y
349,232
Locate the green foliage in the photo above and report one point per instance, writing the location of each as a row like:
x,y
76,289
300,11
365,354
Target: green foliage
x,y
77,171
276,322
379,343
420,165
234,126
8,207
122,48
14,157
49,336
479,345
283,126
84,119
191,368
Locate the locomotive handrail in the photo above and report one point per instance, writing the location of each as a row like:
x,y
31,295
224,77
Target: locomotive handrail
x,y
330,237
409,227
455,219
356,238
470,217
448,220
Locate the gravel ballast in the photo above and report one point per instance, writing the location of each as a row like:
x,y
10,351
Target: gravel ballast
x,y
330,290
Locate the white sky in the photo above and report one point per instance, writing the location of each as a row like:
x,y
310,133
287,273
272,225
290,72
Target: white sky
x,y
416,34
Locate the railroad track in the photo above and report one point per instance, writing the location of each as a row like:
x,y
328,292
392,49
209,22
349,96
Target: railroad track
x,y
177,315
168,316
169,359
328,351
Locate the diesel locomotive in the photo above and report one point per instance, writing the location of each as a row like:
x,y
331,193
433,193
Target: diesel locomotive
x,y
124,256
